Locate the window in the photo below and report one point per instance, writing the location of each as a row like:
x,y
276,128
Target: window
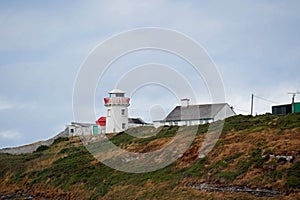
x,y
72,130
123,112
119,95
123,125
108,113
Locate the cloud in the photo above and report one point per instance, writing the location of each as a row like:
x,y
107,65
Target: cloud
x,y
11,138
4,105
8,105
9,135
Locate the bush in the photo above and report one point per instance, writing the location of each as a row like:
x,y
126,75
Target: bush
x,y
230,176
292,182
42,148
60,139
243,166
274,175
256,158
196,169
231,158
293,176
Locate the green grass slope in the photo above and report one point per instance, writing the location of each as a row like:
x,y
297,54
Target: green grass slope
x,y
244,157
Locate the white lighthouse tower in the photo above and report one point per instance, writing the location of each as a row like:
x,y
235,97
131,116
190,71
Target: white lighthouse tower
x,y
117,111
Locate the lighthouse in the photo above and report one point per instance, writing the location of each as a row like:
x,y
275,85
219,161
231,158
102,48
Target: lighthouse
x,y
117,111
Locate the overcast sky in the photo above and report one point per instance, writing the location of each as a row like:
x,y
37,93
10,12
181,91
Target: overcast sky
x,y
254,44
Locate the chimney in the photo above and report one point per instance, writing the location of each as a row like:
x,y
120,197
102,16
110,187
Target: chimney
x,y
185,102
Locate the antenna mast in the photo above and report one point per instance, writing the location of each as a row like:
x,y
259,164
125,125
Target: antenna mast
x,y
252,99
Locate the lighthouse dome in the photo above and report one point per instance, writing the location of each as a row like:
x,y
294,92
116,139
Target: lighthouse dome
x,y
116,91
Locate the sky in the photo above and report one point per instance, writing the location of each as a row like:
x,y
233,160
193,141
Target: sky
x,y
254,44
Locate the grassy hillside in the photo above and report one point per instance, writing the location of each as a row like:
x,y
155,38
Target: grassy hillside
x,y
244,158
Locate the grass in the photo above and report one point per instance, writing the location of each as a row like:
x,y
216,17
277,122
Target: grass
x,y
125,139
42,148
70,165
293,176
232,157
77,169
230,176
261,122
197,169
60,139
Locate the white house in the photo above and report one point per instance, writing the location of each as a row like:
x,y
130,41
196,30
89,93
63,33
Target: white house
x,y
186,115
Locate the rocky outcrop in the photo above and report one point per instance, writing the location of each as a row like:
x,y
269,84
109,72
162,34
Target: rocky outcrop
x,y
29,148
257,192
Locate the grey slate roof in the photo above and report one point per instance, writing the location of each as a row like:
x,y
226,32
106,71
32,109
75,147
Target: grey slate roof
x,y
136,121
82,124
195,112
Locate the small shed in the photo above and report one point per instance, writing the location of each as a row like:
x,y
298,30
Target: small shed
x,y
297,107
285,109
82,129
282,109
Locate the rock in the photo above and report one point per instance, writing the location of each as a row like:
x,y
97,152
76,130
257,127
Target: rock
x,y
232,189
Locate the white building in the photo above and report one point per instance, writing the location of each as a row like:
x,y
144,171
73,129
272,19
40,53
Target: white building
x,y
186,115
82,129
117,111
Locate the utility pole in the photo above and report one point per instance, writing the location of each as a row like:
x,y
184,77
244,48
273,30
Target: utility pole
x,y
252,98
293,100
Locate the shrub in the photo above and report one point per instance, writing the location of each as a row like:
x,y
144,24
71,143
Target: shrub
x,y
196,169
292,182
42,148
293,176
60,139
256,158
242,166
230,176
231,158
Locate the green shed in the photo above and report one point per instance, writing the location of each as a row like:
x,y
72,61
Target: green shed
x,y
297,107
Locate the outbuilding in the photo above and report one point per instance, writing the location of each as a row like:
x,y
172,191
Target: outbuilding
x,y
82,129
286,109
